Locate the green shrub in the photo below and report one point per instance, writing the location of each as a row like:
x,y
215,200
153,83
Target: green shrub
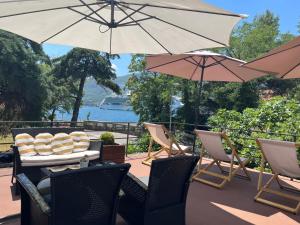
x,y
141,145
278,118
107,138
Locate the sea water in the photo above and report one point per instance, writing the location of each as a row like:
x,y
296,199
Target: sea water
x,y
95,113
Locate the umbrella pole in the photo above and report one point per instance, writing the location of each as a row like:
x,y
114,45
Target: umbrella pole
x,y
197,110
199,95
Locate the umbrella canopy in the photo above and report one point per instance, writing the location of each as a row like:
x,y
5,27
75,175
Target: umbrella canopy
x,y
202,65
283,61
117,26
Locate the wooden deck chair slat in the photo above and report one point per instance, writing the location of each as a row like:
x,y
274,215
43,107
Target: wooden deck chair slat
x,y
160,135
212,144
282,159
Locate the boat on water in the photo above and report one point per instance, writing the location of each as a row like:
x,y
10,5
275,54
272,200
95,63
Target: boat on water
x,y
122,102
116,102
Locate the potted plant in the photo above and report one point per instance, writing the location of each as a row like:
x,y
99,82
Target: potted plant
x,y
111,150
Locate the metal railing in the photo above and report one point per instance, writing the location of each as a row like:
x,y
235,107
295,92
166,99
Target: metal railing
x,y
131,130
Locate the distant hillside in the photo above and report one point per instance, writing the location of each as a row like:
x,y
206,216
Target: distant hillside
x,y
94,94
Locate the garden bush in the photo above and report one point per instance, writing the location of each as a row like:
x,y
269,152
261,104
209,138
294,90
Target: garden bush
x,y
278,118
107,138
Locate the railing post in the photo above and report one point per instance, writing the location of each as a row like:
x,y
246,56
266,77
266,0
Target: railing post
x,y
194,143
127,140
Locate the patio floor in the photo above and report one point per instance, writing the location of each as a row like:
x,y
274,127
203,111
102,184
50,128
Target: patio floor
x,y
205,205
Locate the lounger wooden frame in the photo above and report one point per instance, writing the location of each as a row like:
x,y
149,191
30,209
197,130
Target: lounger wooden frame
x,y
167,149
232,168
266,188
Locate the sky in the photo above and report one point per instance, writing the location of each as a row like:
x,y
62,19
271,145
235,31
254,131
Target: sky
x,y
287,10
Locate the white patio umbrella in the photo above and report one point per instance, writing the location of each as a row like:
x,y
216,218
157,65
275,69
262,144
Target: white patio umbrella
x,y
283,61
202,66
120,26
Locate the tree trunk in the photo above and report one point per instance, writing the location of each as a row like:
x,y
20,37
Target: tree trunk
x,y
77,102
52,117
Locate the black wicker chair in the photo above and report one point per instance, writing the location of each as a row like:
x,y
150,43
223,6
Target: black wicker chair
x,y
163,201
33,172
86,196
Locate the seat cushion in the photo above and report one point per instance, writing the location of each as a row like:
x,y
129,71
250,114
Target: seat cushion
x,y
42,144
81,141
62,143
44,189
53,160
25,144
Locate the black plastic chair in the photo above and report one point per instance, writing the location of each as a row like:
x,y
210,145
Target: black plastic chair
x,y
86,196
163,201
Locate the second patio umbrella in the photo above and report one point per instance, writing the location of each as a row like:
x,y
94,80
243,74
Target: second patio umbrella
x,y
202,66
283,61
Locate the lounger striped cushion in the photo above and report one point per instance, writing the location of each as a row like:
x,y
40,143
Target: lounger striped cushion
x,y
81,141
62,144
42,144
25,144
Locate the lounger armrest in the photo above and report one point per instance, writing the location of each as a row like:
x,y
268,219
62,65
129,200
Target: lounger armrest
x,y
134,188
33,193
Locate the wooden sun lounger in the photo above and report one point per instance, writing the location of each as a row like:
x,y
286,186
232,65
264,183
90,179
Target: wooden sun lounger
x,y
282,159
160,135
212,144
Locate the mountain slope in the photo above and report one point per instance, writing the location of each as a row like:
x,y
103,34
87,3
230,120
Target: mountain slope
x,y
94,94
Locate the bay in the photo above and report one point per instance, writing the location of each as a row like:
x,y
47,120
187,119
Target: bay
x,y
95,113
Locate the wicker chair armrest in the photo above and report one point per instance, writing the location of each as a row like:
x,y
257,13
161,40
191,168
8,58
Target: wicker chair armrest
x,y
33,193
134,188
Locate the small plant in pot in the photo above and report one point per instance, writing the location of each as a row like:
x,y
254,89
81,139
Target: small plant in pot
x,y
111,150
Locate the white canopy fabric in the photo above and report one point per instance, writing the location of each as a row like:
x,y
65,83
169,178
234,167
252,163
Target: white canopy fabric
x,y
129,26
215,67
283,61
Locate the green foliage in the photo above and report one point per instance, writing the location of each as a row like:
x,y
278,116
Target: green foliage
x,y
107,138
278,118
150,92
22,86
59,96
78,65
141,144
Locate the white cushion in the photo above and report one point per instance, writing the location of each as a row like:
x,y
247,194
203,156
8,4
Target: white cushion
x,y
25,144
42,144
81,141
53,160
62,143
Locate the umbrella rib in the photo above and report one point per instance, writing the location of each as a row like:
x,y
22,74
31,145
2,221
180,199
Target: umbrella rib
x,y
174,25
167,63
294,67
229,70
51,9
144,30
197,66
128,16
134,23
188,10
89,17
76,22
90,8
215,63
195,63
